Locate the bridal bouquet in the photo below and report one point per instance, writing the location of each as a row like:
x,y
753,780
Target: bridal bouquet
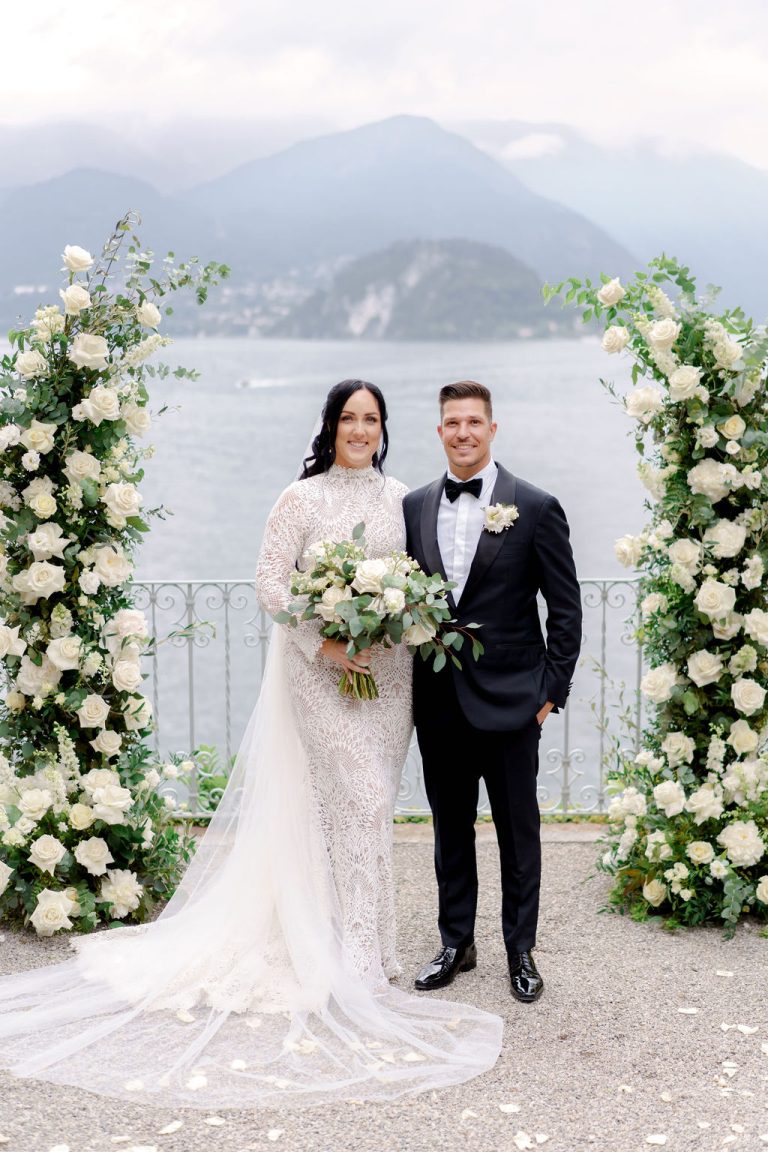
x,y
386,601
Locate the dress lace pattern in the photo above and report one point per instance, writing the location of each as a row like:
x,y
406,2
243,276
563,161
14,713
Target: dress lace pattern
x,y
355,748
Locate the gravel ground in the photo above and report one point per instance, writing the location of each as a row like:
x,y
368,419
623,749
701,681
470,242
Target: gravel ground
x,y
603,1061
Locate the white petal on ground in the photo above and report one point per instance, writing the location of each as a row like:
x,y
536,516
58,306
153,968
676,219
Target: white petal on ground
x,y
134,1085
238,1065
60,1148
656,1138
746,1030
738,1128
468,1114
196,1082
625,1088
730,1139
704,1124
171,1128
723,972
509,1107
522,1141
185,1017
764,1047
214,1121
275,1133
666,1097
541,1138
688,1011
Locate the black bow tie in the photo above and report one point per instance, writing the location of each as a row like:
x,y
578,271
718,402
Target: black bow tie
x,y
454,489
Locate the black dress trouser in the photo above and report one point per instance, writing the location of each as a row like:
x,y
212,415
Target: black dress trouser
x,y
455,757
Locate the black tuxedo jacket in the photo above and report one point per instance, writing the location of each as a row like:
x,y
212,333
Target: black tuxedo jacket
x,y
519,671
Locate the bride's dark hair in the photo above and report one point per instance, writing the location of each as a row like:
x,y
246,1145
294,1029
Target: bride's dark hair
x,y
323,451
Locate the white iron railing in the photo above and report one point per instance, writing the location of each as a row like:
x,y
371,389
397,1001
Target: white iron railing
x,y
203,685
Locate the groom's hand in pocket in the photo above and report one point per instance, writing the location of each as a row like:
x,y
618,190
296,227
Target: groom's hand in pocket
x,y
545,711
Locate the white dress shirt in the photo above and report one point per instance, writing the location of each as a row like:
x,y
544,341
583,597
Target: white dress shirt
x,y
460,525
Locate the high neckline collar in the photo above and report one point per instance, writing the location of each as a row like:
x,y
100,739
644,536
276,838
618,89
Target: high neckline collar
x,y
338,472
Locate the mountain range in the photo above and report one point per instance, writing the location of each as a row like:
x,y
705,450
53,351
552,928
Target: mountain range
x,y
289,221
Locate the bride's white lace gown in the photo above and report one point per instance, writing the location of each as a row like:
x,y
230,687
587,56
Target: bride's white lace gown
x,y
263,981
355,749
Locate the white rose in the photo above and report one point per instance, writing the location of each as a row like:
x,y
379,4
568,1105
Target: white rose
x,y
679,748
137,418
761,891
102,403
35,802
80,466
655,602
76,299
670,796
125,624
655,892
747,695
326,606
715,599
111,565
64,653
611,293
687,553
742,843
94,855
123,891
89,352
5,876
707,436
657,684
51,912
122,500
76,259
742,738
126,675
725,538
38,437
81,817
40,580
628,550
46,852
643,403
99,778
15,701
108,743
705,803
148,314
419,633
733,428
46,541
756,625
43,504
700,852
663,333
368,575
93,712
31,364
89,582
683,382
137,714
704,668
615,338
712,479
10,642
394,601
111,803
37,679
728,627
10,434
752,575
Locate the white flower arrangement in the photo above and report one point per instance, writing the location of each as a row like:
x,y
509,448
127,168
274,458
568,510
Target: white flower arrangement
x,y
82,842
500,517
697,403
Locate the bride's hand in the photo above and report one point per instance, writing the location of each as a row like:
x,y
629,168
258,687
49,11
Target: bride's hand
x,y
336,650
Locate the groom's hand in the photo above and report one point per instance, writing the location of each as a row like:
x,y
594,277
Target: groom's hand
x,y
545,711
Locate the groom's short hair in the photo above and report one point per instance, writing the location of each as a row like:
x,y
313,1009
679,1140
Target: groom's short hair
x,y
464,389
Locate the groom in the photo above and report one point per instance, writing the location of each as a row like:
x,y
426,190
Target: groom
x,y
485,719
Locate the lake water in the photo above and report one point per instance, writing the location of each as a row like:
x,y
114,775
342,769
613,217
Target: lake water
x,y
225,452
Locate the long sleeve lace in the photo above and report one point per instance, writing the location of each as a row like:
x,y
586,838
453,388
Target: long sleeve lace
x,y
281,549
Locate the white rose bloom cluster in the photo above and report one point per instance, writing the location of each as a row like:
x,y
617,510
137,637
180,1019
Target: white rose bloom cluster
x,y
670,797
659,683
644,403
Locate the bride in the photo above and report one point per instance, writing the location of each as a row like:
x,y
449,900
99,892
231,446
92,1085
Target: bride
x,y
265,980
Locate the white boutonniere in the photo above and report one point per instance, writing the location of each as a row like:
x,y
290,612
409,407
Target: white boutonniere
x,y
499,517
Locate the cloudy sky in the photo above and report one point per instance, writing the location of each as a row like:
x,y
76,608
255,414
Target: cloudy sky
x,y
692,72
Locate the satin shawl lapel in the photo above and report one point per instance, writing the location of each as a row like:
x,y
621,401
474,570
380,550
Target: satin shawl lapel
x,y
490,542
428,527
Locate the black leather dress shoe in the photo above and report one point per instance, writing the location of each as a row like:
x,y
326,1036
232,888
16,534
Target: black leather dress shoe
x,y
527,984
444,967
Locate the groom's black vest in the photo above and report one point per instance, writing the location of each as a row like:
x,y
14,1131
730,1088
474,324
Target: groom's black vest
x,y
518,671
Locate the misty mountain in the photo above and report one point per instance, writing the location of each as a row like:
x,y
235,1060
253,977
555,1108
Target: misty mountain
x,y
428,290
707,209
353,192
